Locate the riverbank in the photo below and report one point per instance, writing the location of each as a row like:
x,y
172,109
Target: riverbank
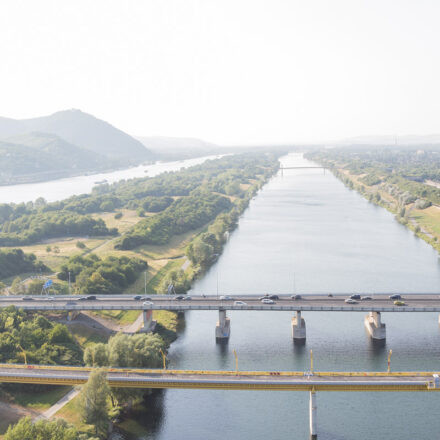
x,y
423,221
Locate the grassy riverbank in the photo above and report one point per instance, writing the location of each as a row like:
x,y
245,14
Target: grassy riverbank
x,y
189,239
395,180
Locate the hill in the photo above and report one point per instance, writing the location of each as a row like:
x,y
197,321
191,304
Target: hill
x,y
40,156
82,130
171,148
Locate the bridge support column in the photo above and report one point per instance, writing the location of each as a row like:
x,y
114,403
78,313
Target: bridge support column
x,y
313,408
223,327
298,329
72,315
375,327
149,324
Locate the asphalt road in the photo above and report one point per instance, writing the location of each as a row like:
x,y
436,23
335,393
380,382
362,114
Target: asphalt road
x,y
379,302
226,380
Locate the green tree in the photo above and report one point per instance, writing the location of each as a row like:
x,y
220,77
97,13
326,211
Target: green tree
x,y
93,401
25,429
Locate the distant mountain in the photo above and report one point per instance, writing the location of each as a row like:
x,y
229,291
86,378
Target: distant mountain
x,y
393,140
171,148
82,130
41,156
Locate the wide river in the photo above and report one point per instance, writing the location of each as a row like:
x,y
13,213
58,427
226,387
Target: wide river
x,y
306,231
63,188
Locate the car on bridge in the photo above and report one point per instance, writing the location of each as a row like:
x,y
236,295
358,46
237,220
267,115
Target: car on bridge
x,y
226,298
187,298
399,303
267,301
240,303
355,296
366,298
296,297
351,301
395,296
137,298
91,297
178,298
147,303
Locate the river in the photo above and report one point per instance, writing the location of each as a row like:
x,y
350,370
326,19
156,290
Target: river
x,y
305,231
59,189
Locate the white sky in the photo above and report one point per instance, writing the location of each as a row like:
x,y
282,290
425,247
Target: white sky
x,y
227,71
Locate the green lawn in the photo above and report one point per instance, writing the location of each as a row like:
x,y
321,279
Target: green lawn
x,y
38,400
154,283
85,335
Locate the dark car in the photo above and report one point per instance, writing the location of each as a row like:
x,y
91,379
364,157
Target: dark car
x,y
146,298
296,297
179,297
356,296
396,296
273,297
366,298
137,297
27,298
91,297
330,295
83,298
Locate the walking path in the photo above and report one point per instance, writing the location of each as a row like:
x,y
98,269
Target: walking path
x,y
57,406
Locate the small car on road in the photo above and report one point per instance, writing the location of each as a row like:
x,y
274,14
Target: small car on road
x,y
355,296
399,303
350,301
366,298
226,298
240,303
395,296
267,301
147,303
178,298
296,297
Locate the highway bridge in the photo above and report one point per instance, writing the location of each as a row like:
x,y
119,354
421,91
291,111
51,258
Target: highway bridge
x,y
231,380
373,307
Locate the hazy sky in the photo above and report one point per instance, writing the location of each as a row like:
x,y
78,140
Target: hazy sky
x,y
228,71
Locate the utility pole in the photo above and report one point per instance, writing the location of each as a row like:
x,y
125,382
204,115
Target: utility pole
x,y
70,293
145,282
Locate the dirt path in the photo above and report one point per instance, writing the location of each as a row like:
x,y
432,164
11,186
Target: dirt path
x,y
11,413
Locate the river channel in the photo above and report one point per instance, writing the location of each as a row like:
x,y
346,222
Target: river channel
x,y
306,232
63,188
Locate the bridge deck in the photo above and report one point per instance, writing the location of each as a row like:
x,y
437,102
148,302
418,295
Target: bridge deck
x,y
225,380
379,303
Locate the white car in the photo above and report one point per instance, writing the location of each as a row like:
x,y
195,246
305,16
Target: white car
x,y
239,303
267,301
350,301
147,303
226,298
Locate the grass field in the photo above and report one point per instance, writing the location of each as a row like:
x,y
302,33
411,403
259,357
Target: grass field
x,y
40,401
429,219
85,335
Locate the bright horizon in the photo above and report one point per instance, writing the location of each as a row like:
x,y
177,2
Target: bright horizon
x,y
230,72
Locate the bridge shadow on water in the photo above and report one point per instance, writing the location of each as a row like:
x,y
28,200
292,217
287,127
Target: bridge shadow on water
x,y
148,415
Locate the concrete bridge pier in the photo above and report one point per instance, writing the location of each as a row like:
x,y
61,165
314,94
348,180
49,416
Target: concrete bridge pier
x,y
298,329
72,315
313,409
223,327
149,324
375,327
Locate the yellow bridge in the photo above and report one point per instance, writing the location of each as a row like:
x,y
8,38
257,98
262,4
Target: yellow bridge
x,y
230,380
226,380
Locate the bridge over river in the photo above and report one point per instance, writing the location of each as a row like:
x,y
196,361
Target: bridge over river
x,y
230,380
373,305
